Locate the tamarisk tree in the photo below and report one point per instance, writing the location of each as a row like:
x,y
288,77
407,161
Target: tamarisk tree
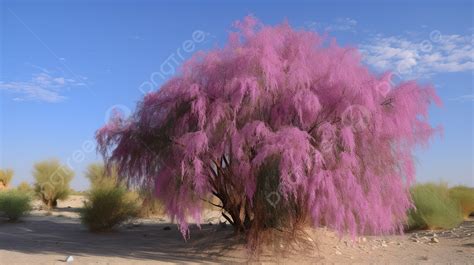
x,y
285,127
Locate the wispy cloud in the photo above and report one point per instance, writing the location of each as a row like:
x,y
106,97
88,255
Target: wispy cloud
x,y
415,58
339,24
43,87
464,98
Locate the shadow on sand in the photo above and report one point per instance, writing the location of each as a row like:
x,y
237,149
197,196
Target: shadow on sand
x,y
65,236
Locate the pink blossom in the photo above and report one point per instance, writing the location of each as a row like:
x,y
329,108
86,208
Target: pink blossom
x,y
273,91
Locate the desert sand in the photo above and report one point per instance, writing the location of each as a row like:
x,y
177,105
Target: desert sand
x,y
49,238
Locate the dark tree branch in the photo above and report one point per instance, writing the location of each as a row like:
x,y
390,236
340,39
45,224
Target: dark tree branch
x,y
213,204
388,101
228,218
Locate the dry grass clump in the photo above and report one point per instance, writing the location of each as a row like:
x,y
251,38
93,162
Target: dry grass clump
x,y
435,208
465,197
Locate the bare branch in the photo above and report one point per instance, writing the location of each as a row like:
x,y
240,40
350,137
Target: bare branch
x,y
213,204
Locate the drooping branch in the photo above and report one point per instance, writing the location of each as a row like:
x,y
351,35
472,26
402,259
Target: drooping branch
x,y
387,102
276,94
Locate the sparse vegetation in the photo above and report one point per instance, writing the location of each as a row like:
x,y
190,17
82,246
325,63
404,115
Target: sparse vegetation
x,y
108,207
77,192
52,182
14,204
150,205
25,188
269,98
465,197
99,177
434,207
6,176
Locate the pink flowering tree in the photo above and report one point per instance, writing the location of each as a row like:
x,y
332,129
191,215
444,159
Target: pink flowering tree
x,y
285,127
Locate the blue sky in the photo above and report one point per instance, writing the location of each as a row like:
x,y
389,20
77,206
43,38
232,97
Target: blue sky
x,y
66,64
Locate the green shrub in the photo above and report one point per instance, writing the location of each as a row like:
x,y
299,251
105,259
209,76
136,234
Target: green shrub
x,y
52,182
6,176
100,178
108,207
25,188
465,197
14,204
434,207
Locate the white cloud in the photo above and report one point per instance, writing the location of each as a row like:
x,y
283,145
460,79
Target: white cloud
x,y
421,57
42,87
343,24
464,98
339,24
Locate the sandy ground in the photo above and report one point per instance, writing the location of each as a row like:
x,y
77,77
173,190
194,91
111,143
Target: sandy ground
x,y
43,238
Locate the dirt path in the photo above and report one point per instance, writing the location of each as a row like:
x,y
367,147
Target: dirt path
x,y
40,239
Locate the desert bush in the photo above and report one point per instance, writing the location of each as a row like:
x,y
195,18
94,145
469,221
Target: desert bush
x,y
14,204
434,208
337,138
6,176
150,206
108,207
52,182
465,197
99,176
25,188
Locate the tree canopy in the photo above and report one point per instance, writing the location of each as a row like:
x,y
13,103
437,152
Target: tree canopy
x,y
283,126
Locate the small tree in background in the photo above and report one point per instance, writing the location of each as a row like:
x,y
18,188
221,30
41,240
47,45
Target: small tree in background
x,y
100,177
25,188
52,182
6,176
151,206
285,128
